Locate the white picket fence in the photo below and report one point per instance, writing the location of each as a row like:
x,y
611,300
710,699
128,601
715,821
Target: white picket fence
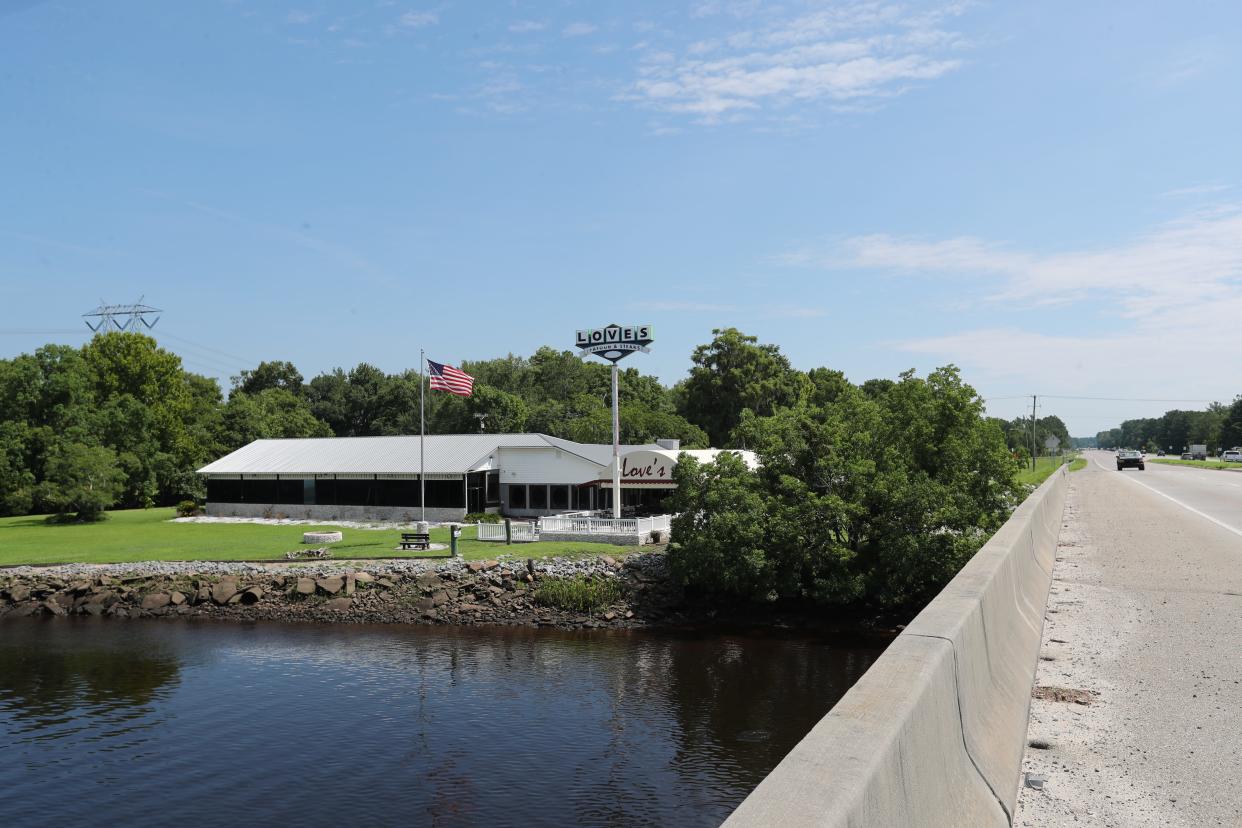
x,y
522,532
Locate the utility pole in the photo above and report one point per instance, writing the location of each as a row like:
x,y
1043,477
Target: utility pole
x,y
1033,398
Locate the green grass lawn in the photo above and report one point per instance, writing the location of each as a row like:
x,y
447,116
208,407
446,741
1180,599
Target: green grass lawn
x,y
150,535
1078,464
1044,467
1215,465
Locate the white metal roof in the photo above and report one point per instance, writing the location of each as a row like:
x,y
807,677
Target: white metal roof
x,y
446,454
601,455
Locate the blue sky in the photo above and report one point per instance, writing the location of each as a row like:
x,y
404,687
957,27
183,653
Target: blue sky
x,y
1047,195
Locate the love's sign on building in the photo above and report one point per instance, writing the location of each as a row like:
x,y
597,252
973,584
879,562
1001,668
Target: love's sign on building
x,y
646,466
615,342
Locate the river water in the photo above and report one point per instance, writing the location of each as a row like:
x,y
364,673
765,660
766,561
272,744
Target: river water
x,y
156,723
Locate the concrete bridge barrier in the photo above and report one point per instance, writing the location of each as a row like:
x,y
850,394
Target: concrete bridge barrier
x,y
933,733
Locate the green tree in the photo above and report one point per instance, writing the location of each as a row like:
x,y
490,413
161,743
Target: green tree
x,y
81,479
875,498
732,374
270,414
276,374
1231,426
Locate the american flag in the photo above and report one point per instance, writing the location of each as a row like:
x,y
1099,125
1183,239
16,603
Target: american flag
x,y
450,379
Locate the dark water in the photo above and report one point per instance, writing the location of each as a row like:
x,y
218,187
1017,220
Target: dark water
x,y
153,723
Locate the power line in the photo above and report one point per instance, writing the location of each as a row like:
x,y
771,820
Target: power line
x,y
199,345
1125,399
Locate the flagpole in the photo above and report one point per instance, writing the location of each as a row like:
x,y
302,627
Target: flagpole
x,y
422,441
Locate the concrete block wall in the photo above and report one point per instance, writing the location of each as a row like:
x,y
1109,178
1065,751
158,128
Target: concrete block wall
x,y
595,537
396,514
933,733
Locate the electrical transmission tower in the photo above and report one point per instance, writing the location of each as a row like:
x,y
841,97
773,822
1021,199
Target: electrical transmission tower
x,y
123,317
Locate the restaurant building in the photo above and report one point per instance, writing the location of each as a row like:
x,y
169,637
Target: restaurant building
x,y
377,478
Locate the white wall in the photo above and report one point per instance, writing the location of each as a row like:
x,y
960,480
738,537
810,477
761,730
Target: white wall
x,y
545,465
542,465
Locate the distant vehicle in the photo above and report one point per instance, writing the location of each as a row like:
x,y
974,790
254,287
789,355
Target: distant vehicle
x,y
1198,452
1160,453
1127,458
1187,456
1232,456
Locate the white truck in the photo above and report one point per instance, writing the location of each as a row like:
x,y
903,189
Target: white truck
x,y
1198,452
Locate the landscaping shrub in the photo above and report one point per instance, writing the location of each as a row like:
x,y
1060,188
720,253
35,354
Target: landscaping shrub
x,y
188,508
481,517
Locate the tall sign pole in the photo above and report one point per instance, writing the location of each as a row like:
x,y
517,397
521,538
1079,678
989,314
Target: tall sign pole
x,y
614,343
616,447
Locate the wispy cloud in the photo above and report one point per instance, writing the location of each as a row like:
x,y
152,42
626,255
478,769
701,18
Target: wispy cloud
x,y
579,29
1195,190
685,307
1178,265
842,53
1155,295
300,17
418,19
769,311
527,26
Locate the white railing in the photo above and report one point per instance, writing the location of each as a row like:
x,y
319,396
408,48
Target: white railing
x,y
581,524
520,532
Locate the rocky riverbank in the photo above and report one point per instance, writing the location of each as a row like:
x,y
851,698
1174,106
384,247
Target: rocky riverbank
x,y
404,591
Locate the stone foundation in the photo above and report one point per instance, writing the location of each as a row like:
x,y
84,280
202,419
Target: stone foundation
x,y
395,514
596,537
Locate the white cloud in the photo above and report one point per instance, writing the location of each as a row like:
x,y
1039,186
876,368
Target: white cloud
x,y
1159,303
1178,265
418,19
527,26
299,17
845,52
579,29
1195,190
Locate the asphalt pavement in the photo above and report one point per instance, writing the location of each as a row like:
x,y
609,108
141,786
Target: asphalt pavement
x,y
1144,623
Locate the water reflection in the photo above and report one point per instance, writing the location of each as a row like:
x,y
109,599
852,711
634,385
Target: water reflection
x,y
437,726
46,671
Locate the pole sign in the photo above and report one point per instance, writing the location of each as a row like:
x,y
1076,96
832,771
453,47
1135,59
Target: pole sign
x,y
1052,442
615,342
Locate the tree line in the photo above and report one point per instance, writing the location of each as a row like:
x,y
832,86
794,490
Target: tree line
x,y
872,492
1218,427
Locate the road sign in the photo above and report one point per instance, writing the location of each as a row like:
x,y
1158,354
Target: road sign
x,y
1052,442
615,342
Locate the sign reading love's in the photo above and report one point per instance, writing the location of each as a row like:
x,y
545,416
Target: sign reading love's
x,y
614,342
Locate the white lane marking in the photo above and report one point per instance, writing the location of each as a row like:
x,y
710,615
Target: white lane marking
x,y
1185,506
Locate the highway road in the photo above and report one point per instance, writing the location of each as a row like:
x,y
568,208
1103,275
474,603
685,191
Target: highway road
x,y
1144,622
1214,495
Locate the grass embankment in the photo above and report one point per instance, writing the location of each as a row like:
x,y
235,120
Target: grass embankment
x,y
579,594
1044,467
1214,465
1078,464
150,535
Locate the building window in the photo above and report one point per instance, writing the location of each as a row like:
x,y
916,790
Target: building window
x,y
308,492
560,497
517,497
539,497
446,494
223,491
493,488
